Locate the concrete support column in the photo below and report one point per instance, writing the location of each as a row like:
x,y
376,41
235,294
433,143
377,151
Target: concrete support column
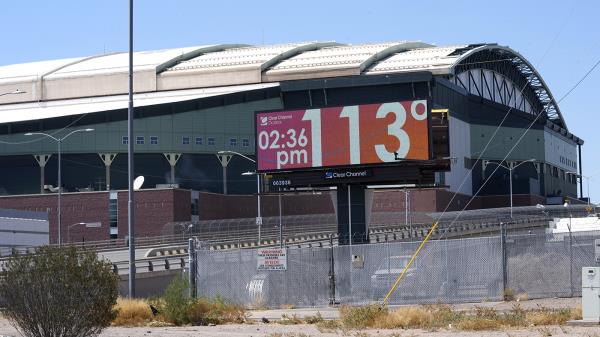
x,y
107,158
42,159
172,158
224,160
538,170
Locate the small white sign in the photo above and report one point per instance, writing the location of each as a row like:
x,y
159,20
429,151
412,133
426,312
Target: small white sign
x,y
271,259
259,220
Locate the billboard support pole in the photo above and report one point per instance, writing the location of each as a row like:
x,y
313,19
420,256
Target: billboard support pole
x,y
349,217
280,224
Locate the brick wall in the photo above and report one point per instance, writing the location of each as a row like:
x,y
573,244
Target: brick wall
x,y
153,209
219,206
76,208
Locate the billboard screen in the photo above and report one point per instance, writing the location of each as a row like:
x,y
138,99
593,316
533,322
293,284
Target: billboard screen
x,y
342,136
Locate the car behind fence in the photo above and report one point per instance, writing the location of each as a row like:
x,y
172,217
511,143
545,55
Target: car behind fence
x,y
447,271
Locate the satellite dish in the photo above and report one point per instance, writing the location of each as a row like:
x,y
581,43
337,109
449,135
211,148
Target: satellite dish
x,y
138,182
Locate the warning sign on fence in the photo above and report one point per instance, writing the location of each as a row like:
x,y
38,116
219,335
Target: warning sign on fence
x,y
271,259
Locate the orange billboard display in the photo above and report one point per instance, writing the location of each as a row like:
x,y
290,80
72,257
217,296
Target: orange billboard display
x,y
342,136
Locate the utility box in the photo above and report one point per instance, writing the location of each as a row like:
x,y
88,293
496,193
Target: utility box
x,y
590,294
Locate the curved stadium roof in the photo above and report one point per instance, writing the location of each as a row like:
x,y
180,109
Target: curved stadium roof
x,y
95,83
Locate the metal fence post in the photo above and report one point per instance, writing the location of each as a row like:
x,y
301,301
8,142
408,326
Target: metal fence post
x,y
504,259
192,267
331,272
570,258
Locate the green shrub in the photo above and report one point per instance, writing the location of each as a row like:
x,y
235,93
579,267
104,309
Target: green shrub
x,y
59,292
176,302
178,308
361,317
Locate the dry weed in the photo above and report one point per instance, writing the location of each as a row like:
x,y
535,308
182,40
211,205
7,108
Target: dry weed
x,y
479,324
290,320
545,316
405,318
328,326
132,312
317,318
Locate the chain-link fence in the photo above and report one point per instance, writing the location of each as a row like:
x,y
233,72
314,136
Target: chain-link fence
x,y
447,271
549,265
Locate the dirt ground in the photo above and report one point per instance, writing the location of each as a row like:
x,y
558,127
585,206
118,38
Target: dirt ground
x,y
303,330
257,329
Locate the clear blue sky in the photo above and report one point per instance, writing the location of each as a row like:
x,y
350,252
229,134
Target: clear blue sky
x,y
560,38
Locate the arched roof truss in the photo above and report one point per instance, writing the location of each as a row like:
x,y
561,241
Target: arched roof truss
x,y
503,75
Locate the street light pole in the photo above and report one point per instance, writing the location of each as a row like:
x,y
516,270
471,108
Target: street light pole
x,y
87,225
510,172
587,178
59,142
130,153
258,217
510,169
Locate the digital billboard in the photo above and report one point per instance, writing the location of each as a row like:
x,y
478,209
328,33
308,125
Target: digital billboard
x,y
342,136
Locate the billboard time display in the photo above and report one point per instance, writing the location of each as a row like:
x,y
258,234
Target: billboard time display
x,y
342,136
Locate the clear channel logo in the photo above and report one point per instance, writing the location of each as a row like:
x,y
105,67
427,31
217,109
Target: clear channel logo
x,y
263,121
347,174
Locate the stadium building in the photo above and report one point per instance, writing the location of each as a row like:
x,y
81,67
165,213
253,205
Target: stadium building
x,y
191,103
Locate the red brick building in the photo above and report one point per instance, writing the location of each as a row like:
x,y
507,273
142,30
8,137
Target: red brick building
x,y
153,209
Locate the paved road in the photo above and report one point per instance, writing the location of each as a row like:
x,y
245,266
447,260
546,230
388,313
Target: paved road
x,y
122,254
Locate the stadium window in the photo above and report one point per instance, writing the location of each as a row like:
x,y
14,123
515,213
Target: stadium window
x,y
245,142
153,140
139,140
185,140
125,140
211,141
199,141
232,141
